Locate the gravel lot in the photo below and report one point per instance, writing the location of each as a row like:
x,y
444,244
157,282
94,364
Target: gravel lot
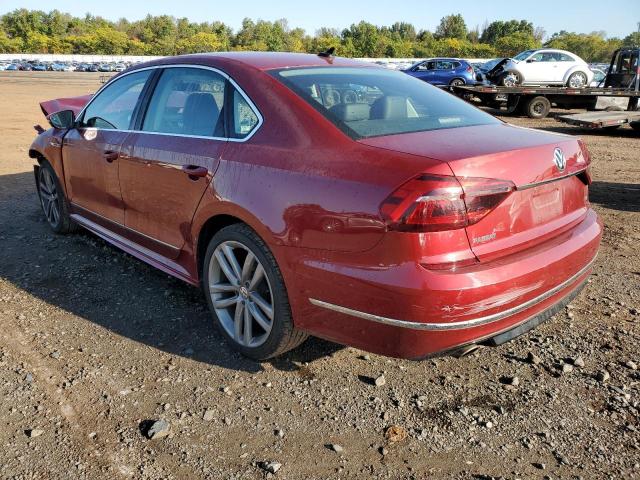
x,y
93,343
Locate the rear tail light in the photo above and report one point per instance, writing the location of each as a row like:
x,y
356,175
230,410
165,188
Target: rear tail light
x,y
434,203
470,69
585,175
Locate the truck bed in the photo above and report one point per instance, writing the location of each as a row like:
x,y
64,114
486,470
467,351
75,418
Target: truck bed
x,y
549,90
600,119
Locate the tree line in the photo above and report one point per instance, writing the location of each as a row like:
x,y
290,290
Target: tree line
x,y
36,31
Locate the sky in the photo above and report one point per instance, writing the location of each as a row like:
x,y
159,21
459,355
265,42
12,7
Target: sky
x,y
584,16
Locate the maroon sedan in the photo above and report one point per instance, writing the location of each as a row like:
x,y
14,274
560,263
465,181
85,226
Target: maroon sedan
x,y
317,195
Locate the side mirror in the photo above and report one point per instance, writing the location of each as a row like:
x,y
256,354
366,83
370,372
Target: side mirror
x,y
62,119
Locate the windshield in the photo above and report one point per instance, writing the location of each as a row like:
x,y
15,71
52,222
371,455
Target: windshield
x,y
370,102
523,55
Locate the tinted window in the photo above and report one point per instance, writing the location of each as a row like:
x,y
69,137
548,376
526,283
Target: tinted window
x,y
245,119
367,102
113,107
187,101
445,65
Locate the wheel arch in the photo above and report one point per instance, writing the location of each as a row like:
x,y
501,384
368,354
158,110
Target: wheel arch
x,y
206,232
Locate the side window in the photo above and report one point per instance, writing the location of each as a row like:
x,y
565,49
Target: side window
x,y
423,66
113,107
245,119
566,58
537,57
187,101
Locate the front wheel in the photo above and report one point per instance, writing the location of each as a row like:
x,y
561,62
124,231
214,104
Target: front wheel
x,y
510,79
246,294
577,80
52,200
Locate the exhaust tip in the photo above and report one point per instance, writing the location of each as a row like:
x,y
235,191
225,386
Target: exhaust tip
x,y
466,350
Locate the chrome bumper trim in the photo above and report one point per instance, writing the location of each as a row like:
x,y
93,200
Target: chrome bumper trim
x,y
456,325
551,180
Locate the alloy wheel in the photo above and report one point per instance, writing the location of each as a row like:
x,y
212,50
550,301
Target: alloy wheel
x,y
577,80
510,80
49,197
241,294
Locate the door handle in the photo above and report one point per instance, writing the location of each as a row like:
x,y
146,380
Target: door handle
x,y
195,172
110,155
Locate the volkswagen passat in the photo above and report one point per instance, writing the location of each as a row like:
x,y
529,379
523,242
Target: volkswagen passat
x,y
317,195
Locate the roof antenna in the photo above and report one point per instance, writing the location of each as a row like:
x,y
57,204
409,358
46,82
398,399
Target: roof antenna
x,y
327,53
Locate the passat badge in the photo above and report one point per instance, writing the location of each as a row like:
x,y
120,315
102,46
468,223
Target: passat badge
x,y
559,160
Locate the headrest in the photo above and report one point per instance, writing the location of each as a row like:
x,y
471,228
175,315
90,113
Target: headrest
x,y
351,112
389,107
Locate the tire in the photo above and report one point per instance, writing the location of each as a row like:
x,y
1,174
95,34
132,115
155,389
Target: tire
x,y
53,200
635,126
510,79
537,107
456,82
247,299
577,80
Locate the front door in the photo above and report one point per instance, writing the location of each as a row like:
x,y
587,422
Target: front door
x,y
91,151
168,162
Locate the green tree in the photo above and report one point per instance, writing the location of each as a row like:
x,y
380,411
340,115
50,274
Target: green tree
x,y
37,42
452,26
592,47
498,29
10,45
199,43
632,40
363,39
510,45
22,22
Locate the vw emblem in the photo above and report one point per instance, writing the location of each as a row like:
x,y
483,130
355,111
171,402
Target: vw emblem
x,y
559,160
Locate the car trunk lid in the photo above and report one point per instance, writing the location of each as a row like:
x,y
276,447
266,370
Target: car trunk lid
x,y
550,194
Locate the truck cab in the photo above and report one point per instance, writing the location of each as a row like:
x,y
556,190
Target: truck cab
x,y
624,70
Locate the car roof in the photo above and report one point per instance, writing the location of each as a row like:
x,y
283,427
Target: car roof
x,y
262,60
556,50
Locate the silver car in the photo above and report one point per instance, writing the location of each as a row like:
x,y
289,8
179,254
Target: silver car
x,y
546,66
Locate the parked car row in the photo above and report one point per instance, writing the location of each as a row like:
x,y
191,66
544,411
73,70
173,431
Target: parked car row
x,y
38,66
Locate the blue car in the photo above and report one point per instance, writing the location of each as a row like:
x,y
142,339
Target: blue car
x,y
443,71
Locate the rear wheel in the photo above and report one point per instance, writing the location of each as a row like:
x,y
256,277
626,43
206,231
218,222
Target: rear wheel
x,y
537,107
53,200
246,294
456,82
577,80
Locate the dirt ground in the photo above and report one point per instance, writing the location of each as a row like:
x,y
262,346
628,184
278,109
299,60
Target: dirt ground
x,y
93,342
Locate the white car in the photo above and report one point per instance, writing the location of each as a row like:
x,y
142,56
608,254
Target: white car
x,y
546,66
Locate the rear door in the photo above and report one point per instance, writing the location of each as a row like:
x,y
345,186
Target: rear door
x,y
444,72
168,162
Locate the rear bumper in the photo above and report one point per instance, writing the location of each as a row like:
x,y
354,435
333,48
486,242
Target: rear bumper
x,y
407,311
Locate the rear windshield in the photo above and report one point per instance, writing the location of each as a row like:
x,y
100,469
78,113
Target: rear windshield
x,y
370,102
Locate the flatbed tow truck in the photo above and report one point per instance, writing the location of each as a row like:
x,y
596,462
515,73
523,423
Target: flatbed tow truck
x,y
622,81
